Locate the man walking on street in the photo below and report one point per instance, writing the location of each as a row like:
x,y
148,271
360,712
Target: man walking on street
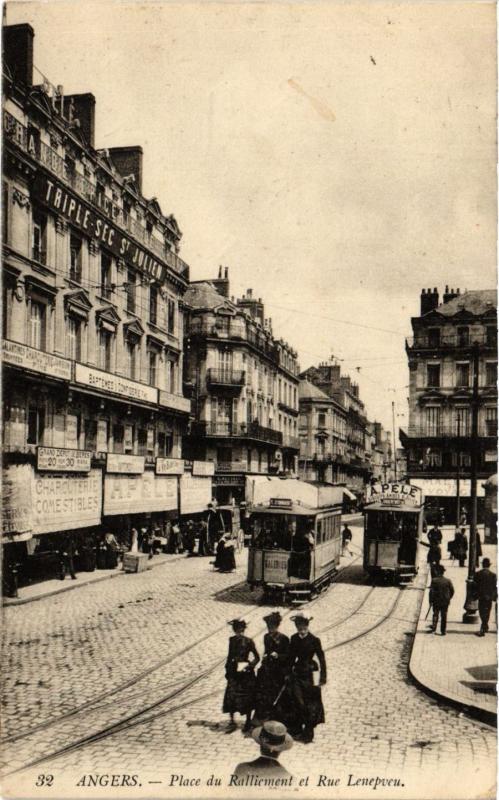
x,y
441,593
435,536
485,585
346,538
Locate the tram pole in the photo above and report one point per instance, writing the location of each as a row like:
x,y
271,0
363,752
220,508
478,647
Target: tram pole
x,y
394,442
470,604
458,472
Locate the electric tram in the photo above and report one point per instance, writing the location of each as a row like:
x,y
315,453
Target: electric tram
x,y
393,523
295,544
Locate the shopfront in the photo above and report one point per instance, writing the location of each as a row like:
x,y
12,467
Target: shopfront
x,y
441,499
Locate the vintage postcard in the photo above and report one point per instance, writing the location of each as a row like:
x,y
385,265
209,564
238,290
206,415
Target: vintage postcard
x,y
249,384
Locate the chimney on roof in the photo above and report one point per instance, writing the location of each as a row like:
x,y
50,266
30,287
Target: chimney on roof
x,y
449,294
128,161
222,284
429,300
82,109
18,52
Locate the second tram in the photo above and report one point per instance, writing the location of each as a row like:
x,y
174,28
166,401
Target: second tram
x,y
295,542
393,523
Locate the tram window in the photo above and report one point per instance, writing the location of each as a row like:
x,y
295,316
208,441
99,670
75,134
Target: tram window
x,y
273,531
319,532
390,525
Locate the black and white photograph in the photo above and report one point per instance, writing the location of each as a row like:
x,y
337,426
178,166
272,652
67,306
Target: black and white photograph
x,y
249,400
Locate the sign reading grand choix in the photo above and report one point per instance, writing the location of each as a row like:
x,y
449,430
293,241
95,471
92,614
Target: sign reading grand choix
x,y
57,197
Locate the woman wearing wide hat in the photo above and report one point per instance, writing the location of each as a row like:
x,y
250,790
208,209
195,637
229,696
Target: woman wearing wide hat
x,y
239,672
272,673
306,698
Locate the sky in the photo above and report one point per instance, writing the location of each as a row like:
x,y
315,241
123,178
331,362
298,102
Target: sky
x,y
337,157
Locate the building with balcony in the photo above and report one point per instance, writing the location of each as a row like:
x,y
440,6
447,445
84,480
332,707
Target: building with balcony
x,y
244,386
381,457
323,441
440,356
345,392
92,321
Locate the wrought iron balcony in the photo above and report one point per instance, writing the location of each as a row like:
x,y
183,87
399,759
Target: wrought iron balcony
x,y
487,429
239,430
456,341
225,378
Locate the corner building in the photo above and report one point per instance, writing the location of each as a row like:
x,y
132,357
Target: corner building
x,y
92,325
244,384
440,355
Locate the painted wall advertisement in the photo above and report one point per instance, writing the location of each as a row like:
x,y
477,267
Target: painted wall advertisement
x,y
446,487
138,494
65,501
20,355
195,494
16,501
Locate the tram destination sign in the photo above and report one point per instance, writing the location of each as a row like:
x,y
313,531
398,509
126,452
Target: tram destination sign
x,y
395,494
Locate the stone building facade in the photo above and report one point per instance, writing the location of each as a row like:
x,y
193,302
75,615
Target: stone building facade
x,y
93,286
440,356
323,436
244,386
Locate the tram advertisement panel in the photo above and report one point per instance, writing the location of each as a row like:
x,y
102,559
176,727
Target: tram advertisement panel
x,y
395,494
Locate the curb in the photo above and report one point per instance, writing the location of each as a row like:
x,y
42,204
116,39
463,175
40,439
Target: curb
x,y
480,714
20,601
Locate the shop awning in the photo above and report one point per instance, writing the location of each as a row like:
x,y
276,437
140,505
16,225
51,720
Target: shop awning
x,y
11,538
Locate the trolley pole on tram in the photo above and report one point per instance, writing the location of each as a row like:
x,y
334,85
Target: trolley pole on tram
x,y
470,604
394,442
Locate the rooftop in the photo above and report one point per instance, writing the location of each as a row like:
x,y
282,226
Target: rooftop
x,y
307,391
474,302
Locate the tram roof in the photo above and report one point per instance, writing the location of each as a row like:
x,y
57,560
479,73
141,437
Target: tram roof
x,y
398,509
294,509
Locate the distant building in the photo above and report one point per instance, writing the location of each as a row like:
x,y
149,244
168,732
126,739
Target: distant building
x,y
322,430
345,393
381,458
244,385
440,356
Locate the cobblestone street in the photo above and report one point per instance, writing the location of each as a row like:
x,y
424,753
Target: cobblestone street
x,y
160,639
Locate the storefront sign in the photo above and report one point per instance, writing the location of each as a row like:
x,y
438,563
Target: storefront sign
x,y
174,401
138,494
169,466
16,500
62,459
130,465
392,493
20,355
107,382
229,480
64,501
205,468
195,494
82,216
446,487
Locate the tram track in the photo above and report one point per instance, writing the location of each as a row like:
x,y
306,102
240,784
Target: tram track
x,y
137,717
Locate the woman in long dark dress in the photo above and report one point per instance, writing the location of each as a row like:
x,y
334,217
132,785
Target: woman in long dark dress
x,y
239,672
227,561
305,706
271,676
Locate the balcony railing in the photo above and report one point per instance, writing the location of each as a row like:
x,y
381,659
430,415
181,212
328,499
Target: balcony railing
x,y
234,378
485,429
241,430
45,155
449,342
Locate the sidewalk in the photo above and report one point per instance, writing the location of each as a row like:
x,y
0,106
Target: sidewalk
x,y
38,591
460,668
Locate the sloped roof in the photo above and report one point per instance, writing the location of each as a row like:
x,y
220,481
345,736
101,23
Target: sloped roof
x,y
307,391
204,295
474,302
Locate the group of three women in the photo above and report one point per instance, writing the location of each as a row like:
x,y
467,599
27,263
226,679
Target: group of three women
x,y
284,689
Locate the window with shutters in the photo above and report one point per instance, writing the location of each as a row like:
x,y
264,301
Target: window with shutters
x,y
462,374
75,257
39,237
433,375
37,325
432,418
73,338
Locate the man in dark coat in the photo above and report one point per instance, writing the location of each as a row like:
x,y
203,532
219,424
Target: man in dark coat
x,y
346,538
273,738
272,673
460,550
485,585
305,696
435,535
66,557
441,593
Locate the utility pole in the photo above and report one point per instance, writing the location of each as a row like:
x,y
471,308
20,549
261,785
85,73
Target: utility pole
x,y
471,605
394,442
458,472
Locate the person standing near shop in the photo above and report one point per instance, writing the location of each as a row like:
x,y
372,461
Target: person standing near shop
x,y
305,697
66,557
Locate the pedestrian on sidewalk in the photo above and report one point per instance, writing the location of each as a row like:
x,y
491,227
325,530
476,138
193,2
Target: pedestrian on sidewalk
x,y
66,557
272,673
461,546
305,707
273,738
434,557
435,535
346,538
485,590
441,593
